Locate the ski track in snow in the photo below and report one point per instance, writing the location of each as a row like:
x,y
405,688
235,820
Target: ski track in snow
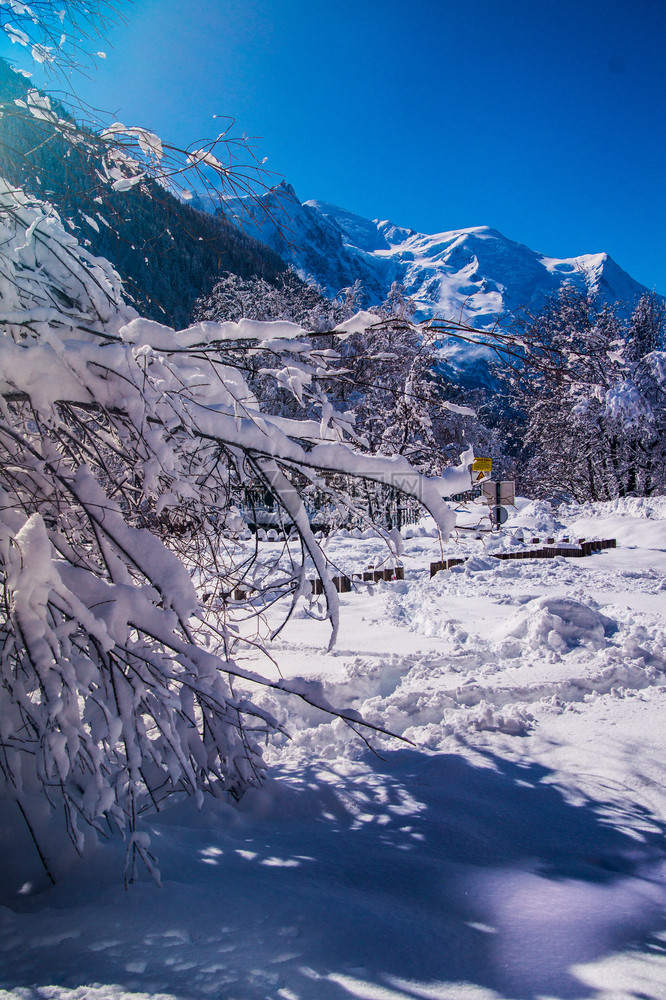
x,y
516,852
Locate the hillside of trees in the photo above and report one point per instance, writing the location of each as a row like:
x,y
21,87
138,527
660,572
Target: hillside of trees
x,y
166,252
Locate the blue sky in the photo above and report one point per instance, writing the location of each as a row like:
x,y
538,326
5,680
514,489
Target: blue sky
x,y
543,119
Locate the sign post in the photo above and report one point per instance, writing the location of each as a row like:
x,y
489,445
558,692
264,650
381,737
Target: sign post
x,y
498,494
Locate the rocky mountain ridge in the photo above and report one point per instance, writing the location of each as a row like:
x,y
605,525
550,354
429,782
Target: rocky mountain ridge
x,y
477,273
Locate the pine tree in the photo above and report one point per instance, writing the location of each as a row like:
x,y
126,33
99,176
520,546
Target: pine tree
x,y
592,390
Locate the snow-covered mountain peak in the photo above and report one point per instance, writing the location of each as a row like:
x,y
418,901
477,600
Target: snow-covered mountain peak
x,y
364,234
475,273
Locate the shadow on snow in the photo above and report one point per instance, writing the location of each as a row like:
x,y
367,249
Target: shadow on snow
x,y
346,879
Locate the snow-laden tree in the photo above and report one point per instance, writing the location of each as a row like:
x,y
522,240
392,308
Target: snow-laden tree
x,y
403,405
646,332
288,298
592,388
126,449
121,682
386,375
285,297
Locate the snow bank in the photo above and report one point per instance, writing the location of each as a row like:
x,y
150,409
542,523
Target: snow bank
x,y
560,623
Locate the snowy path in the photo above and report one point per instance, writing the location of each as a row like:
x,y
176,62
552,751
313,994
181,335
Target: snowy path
x,y
519,853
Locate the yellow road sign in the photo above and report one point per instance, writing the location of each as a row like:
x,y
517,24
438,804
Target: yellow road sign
x,y
481,468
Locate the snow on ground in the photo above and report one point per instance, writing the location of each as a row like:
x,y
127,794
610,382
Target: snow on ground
x,y
514,849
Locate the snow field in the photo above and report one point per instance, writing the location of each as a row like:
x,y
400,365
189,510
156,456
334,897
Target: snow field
x,y
516,851
483,644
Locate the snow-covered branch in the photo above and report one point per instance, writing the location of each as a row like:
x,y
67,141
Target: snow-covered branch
x,y
121,442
